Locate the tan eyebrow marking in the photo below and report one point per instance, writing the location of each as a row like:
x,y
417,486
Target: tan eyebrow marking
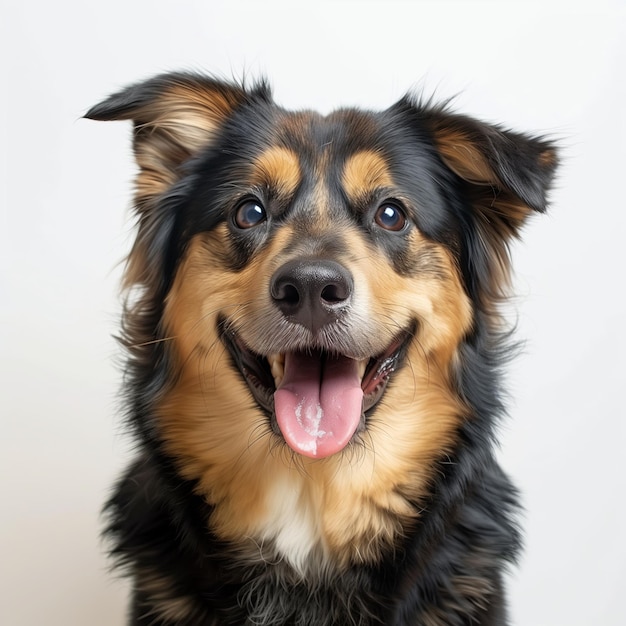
x,y
365,171
279,168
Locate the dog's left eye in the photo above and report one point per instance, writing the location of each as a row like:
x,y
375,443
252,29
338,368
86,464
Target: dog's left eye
x,y
390,217
250,213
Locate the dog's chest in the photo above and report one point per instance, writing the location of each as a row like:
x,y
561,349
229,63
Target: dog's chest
x,y
291,528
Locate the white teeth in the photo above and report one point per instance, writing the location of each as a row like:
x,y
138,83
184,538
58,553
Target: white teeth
x,y
362,366
277,365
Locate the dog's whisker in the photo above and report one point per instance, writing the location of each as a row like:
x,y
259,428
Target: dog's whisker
x,y
151,342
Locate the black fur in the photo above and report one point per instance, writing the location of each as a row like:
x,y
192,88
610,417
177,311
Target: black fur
x,y
448,569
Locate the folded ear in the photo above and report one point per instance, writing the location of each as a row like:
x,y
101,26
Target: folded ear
x,y
505,176
516,165
175,115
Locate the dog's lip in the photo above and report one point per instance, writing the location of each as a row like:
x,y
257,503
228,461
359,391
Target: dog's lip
x,y
263,374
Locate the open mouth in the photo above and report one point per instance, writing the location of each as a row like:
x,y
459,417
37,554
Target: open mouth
x,y
317,399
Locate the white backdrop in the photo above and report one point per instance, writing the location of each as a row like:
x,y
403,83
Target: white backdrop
x,y
548,67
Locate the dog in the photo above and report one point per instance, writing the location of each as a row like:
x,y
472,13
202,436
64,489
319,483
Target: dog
x,y
315,347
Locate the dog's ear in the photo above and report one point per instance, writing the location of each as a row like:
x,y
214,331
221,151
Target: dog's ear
x,y
505,176
174,116
517,167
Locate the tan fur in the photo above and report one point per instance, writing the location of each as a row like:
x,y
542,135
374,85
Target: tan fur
x,y
463,157
353,501
173,127
168,131
295,528
363,172
278,169
500,213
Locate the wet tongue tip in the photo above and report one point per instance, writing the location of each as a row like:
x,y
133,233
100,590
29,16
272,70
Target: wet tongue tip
x,y
313,430
318,409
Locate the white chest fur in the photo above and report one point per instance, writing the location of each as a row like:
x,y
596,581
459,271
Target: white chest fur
x,y
292,524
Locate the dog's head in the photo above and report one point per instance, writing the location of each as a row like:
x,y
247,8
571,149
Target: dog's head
x,y
306,282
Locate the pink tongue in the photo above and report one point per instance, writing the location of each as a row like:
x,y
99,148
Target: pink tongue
x,y
318,404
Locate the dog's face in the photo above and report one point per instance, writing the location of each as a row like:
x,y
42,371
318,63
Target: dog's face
x,y
317,298
310,282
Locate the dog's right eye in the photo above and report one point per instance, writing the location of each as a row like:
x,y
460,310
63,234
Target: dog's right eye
x,y
250,213
390,217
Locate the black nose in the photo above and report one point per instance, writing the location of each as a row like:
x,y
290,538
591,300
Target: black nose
x,y
312,293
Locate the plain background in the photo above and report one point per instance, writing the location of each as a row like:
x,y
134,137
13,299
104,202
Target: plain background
x,y
548,67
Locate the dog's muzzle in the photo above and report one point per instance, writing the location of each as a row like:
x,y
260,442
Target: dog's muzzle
x,y
318,394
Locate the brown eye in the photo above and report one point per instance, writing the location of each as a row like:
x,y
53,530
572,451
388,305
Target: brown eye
x,y
390,217
250,213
